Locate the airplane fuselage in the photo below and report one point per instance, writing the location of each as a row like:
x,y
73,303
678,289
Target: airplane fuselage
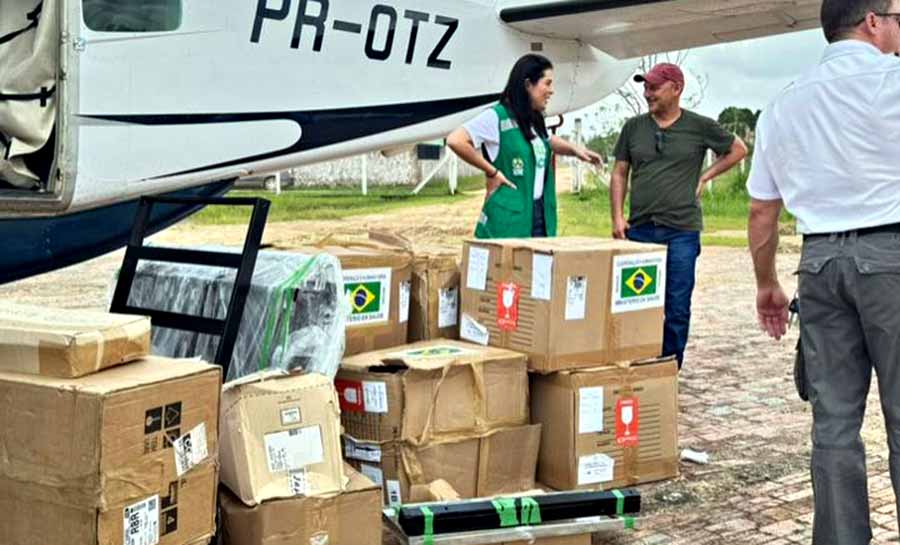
x,y
253,86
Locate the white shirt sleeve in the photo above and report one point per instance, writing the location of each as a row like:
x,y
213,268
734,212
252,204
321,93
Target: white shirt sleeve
x,y
485,130
761,182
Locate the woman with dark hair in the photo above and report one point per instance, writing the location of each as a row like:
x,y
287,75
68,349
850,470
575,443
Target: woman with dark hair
x,y
509,142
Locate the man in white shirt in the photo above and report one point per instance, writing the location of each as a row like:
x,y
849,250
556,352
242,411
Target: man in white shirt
x,y
827,149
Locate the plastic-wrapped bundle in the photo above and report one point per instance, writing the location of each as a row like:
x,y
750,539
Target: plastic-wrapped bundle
x,y
294,317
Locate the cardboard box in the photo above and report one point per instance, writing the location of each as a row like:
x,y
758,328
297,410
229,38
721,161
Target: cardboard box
x,y
350,518
114,458
434,307
434,310
377,280
608,427
68,343
501,462
281,437
566,302
432,390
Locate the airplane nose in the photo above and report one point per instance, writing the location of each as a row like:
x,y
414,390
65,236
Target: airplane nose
x,y
596,76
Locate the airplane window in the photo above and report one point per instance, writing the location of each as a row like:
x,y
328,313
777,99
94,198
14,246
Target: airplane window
x,y
132,15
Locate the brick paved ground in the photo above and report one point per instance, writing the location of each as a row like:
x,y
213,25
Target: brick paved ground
x,y
737,397
738,404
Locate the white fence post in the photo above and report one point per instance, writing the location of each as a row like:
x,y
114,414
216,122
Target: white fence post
x,y
578,181
365,174
453,175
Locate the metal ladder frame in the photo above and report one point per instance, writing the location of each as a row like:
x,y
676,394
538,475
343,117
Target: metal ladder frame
x,y
244,263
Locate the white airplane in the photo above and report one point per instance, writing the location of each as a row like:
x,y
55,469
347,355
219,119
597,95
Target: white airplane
x,y
103,101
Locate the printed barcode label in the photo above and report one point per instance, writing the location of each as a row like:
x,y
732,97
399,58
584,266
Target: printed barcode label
x,y
393,492
190,449
298,483
141,522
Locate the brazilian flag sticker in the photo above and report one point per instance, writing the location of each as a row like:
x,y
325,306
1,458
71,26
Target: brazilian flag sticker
x,y
439,351
638,282
368,293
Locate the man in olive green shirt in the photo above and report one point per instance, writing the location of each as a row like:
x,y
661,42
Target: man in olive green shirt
x,y
663,152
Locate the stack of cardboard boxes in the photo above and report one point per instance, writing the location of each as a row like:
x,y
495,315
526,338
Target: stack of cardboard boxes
x,y
120,448
282,468
102,444
439,410
589,315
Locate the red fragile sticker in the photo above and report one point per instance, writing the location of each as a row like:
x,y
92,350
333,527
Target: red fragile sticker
x,y
508,306
627,422
350,395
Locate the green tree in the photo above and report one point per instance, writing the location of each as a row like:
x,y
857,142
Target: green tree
x,y
740,121
603,144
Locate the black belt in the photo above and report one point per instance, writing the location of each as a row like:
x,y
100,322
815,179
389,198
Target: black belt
x,y
889,228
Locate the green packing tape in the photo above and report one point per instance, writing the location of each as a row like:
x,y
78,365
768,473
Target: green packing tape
x,y
620,510
506,510
280,305
428,537
620,502
531,512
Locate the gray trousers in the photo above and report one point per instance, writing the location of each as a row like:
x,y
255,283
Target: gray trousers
x,y
849,325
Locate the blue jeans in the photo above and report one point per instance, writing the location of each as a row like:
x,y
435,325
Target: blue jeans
x,y
681,261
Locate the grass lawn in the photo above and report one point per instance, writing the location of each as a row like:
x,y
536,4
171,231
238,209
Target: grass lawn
x,y
337,203
725,208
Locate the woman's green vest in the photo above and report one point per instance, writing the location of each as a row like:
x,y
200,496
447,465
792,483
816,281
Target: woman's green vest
x,y
508,212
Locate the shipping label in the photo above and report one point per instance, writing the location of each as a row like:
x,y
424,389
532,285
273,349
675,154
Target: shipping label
x,y
595,468
375,397
405,289
576,297
393,492
471,330
590,410
448,307
541,276
190,449
363,452
476,274
142,522
294,449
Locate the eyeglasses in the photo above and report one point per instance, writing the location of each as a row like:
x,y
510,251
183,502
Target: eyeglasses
x,y
893,15
660,140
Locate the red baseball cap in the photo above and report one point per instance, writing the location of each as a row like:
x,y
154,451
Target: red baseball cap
x,y
662,73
